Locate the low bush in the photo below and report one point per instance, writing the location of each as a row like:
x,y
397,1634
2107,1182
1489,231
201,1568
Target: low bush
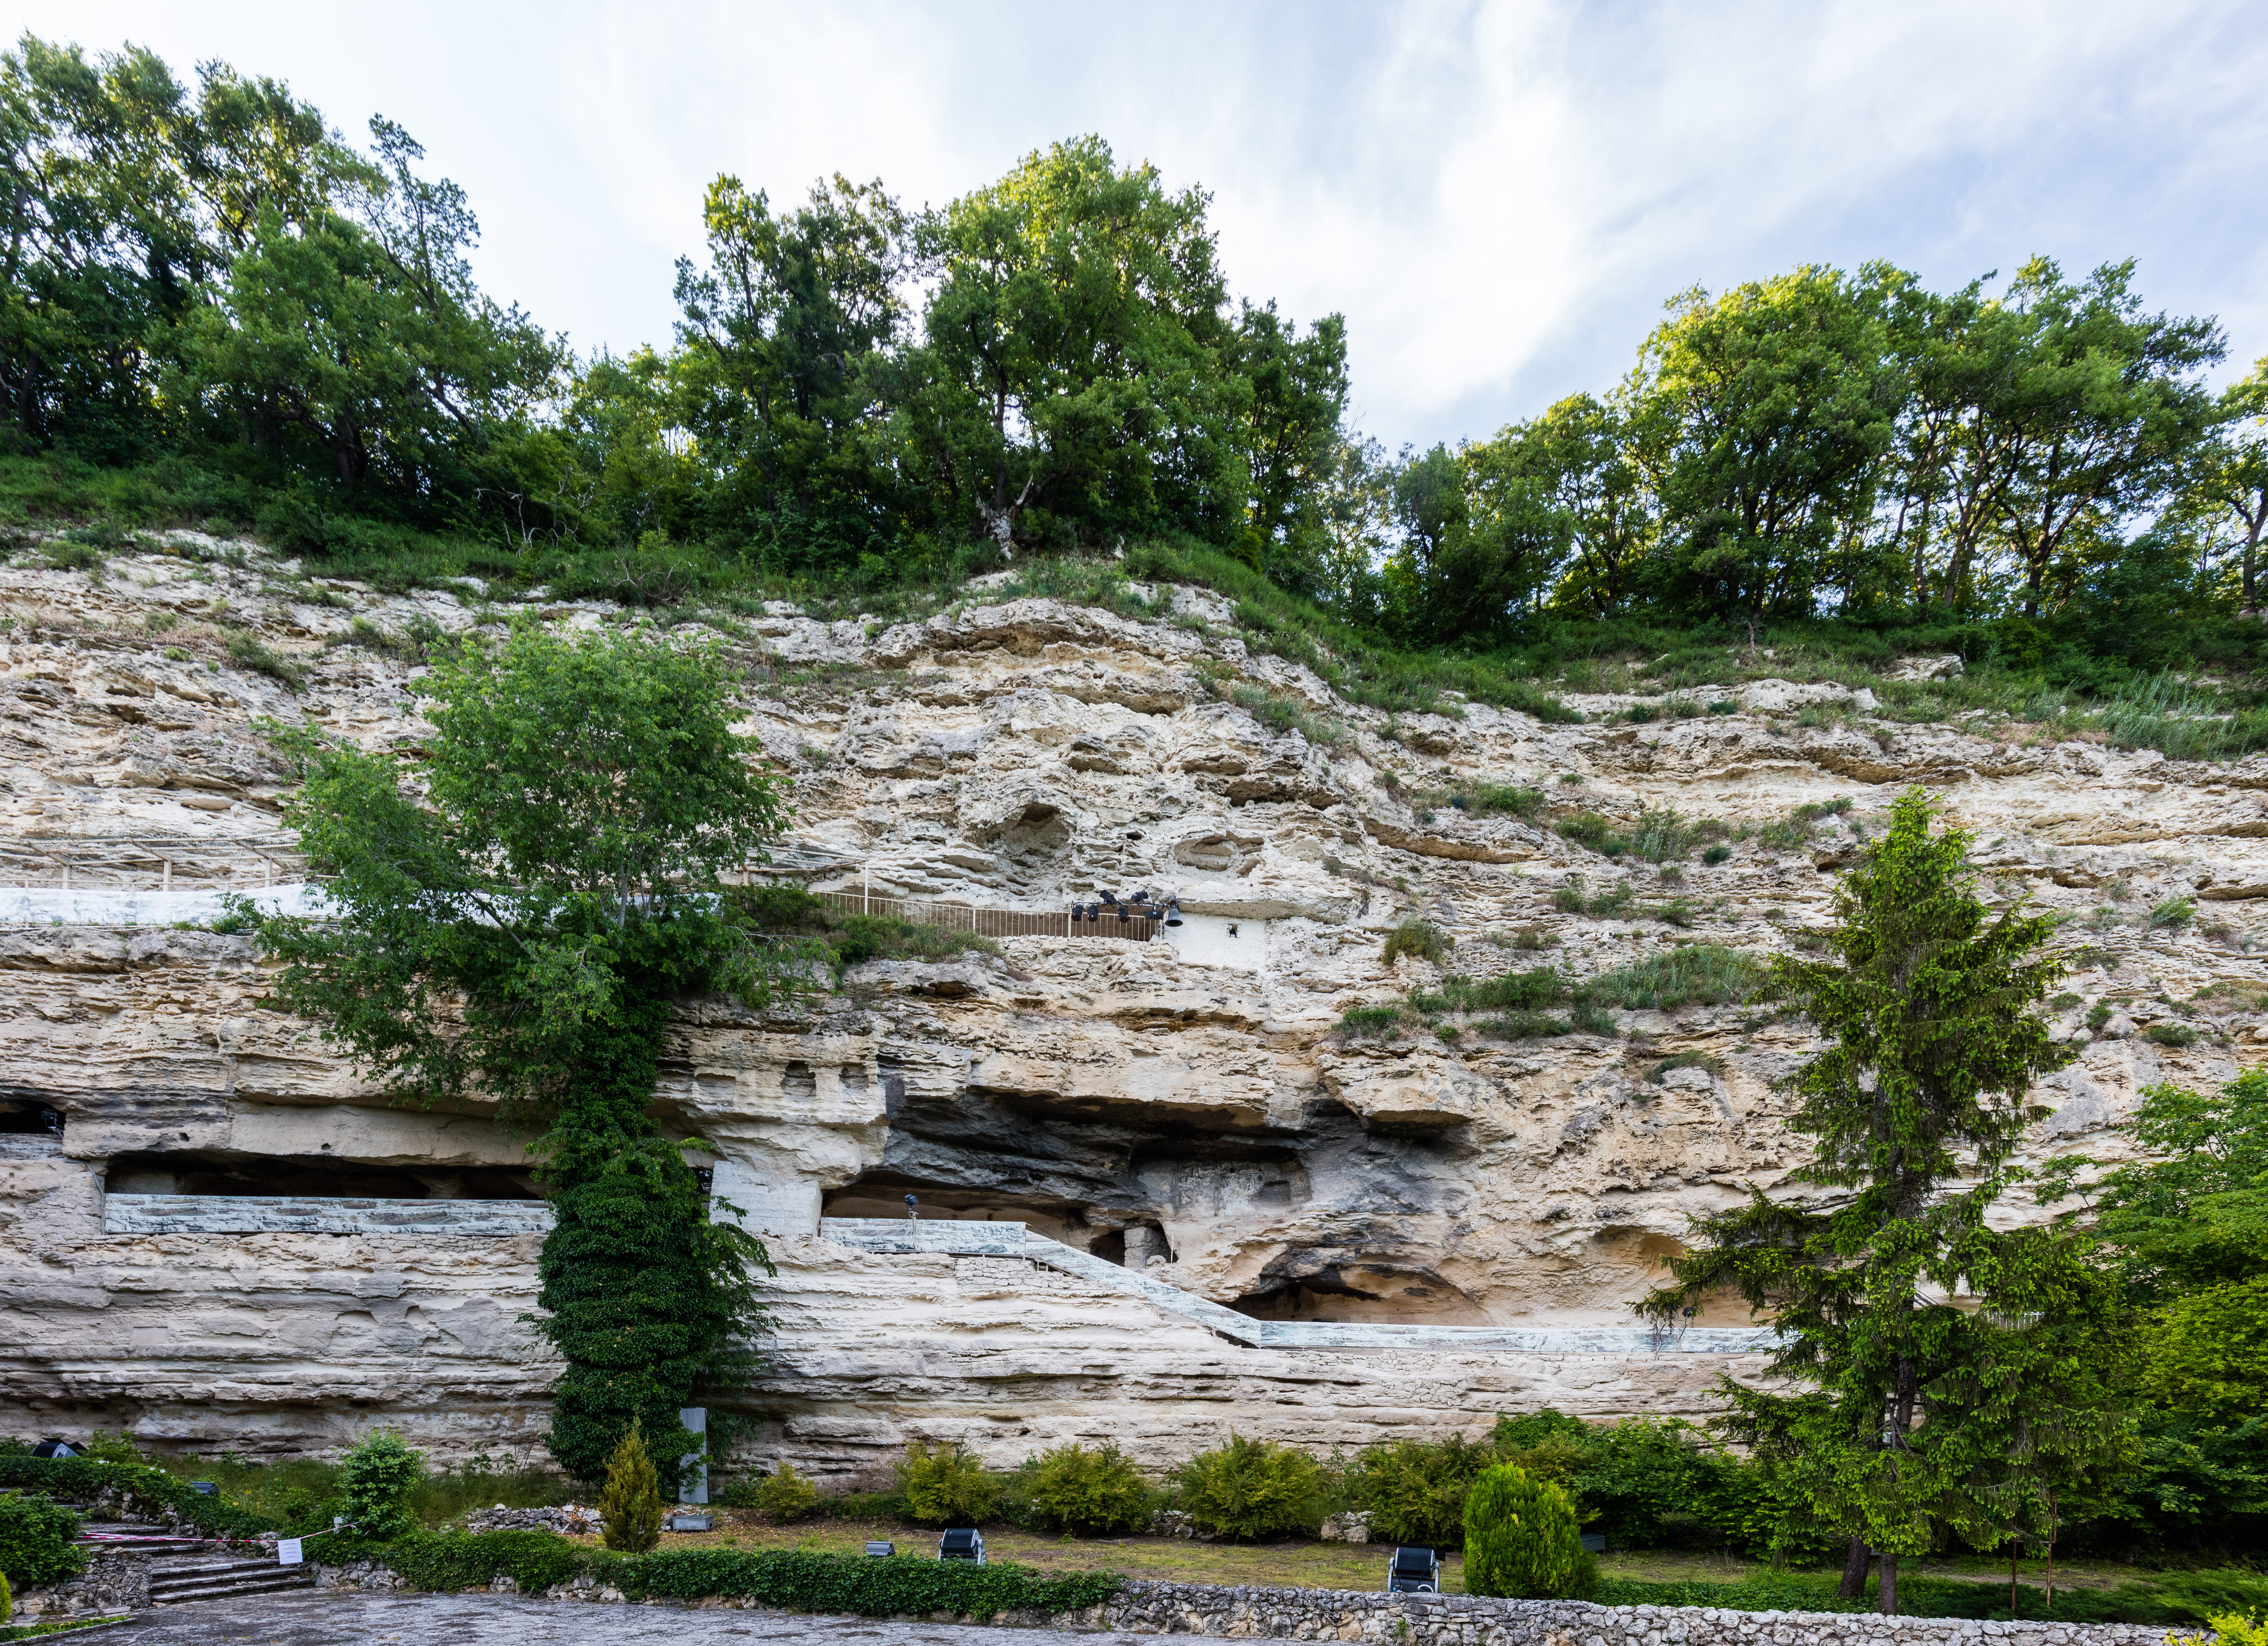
x,y
38,1540
798,1581
1522,1540
1591,830
1250,1488
945,1486
450,1561
1091,1490
1419,939
2171,1034
375,1479
1508,798
1382,1020
1415,1490
131,1491
786,1495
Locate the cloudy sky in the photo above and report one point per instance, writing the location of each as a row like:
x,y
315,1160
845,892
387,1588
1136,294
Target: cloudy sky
x,y
1497,196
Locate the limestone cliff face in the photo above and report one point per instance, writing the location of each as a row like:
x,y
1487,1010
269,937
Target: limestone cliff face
x,y
1188,1104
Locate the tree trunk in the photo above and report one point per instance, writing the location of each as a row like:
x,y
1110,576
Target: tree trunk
x,y
2012,1577
1854,1570
1888,1601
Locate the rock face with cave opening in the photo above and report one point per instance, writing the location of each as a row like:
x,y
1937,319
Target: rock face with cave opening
x,y
1188,1108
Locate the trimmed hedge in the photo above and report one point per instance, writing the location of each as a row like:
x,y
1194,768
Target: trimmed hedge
x,y
450,1561
792,1579
131,1485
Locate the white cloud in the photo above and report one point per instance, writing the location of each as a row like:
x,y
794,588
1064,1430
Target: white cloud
x,y
1497,196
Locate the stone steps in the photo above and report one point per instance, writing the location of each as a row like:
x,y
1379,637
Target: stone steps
x,y
179,1582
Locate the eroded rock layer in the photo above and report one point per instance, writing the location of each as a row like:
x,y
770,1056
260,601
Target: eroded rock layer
x,y
1191,1105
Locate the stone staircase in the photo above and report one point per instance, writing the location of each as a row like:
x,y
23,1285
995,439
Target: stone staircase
x,y
179,1580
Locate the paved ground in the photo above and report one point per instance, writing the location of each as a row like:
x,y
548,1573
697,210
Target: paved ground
x,y
352,1619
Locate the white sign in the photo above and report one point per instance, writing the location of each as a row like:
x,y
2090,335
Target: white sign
x,y
287,1552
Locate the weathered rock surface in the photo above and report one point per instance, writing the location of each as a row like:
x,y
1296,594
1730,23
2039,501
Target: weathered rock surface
x,y
1186,1105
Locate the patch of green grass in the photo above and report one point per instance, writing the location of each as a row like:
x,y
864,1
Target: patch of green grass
x,y
1696,974
253,654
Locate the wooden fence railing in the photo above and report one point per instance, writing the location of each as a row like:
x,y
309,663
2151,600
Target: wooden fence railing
x,y
959,917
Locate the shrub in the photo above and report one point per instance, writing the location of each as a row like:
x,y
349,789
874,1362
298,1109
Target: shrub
x,y
2171,1034
1249,1488
631,1500
1588,829
1074,1488
785,1495
449,1561
1716,855
800,1581
131,1491
1507,797
2201,1594
1371,1019
7,1599
2229,1628
1418,938
38,1540
376,1477
945,1485
1521,1539
1415,1491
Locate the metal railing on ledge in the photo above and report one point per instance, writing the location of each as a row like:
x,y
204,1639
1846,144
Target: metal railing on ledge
x,y
961,916
947,1237
149,862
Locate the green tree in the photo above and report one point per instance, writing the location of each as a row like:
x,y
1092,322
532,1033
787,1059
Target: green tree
x,y
376,1477
631,1502
2228,491
364,337
1076,379
1766,411
517,932
1950,1374
2105,412
1521,1539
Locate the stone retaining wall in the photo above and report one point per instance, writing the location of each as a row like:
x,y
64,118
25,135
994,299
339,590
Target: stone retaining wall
x,y
1154,1608
1333,1614
112,1581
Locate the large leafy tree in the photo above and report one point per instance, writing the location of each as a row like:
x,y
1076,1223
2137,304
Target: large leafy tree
x,y
513,911
365,335
1768,409
1947,1373
2104,411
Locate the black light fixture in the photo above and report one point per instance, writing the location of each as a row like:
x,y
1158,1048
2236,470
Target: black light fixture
x,y
1173,911
1123,915
1110,897
913,1209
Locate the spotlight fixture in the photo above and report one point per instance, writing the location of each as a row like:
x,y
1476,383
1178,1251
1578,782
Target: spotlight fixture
x,y
1123,915
1110,897
1173,911
913,1209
